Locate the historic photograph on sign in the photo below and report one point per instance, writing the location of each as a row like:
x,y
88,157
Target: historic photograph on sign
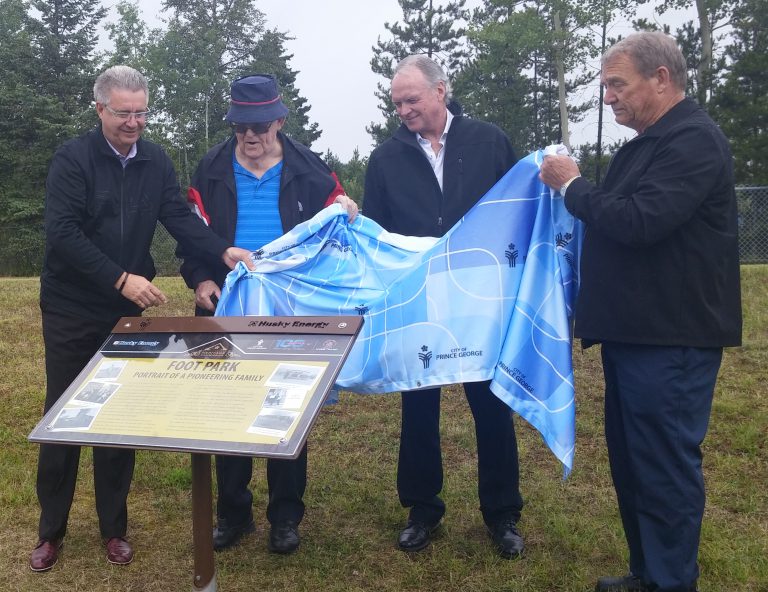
x,y
79,418
110,369
285,398
296,375
273,422
96,392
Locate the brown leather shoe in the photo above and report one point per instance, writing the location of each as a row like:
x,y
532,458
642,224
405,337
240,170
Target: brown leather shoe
x,y
45,555
119,551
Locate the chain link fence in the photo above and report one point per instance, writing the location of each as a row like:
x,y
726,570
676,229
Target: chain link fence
x,y
753,224
21,249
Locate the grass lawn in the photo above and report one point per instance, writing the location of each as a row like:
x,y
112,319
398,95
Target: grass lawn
x,y
571,528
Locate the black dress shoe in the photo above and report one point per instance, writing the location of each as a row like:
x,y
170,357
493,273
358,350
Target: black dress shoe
x,y
415,536
225,536
628,583
506,538
284,538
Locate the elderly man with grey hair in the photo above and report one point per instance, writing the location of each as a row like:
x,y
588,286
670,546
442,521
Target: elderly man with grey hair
x,y
660,293
421,182
105,193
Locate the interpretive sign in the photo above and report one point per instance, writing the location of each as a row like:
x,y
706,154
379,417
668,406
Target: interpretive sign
x,y
224,385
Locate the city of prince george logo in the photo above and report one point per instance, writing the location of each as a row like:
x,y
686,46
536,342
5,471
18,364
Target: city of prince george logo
x,y
426,355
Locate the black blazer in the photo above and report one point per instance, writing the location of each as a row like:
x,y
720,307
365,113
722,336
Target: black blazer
x,y
660,264
401,190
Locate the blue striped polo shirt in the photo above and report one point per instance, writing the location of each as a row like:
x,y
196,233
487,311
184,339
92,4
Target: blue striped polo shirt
x,y
258,216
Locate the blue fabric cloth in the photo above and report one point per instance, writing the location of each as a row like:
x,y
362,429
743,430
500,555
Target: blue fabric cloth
x,y
491,300
258,217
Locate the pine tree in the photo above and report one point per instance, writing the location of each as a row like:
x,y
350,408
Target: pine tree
x,y
64,38
434,31
207,45
512,78
45,98
699,40
740,103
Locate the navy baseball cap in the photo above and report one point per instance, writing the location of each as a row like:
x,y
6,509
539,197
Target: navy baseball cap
x,y
255,99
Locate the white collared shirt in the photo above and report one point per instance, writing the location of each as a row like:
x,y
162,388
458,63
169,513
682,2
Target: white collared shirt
x,y
123,159
436,160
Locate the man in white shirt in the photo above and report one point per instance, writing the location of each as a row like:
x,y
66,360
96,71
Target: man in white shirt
x,y
420,182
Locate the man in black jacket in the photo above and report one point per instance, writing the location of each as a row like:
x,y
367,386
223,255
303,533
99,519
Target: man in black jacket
x,y
251,189
421,182
105,193
660,293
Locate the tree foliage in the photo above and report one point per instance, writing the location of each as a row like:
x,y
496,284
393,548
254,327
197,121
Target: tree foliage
x,y
45,94
63,38
699,41
129,36
740,103
207,45
503,61
351,174
433,30
512,78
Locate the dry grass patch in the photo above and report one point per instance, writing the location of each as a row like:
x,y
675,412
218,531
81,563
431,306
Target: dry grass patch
x,y
353,517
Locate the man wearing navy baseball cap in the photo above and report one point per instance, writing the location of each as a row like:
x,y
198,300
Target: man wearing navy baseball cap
x,y
251,189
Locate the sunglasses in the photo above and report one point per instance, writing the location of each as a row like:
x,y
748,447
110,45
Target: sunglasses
x,y
257,128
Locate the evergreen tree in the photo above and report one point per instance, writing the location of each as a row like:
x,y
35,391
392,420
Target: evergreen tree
x,y
512,78
592,163
351,174
435,31
207,45
45,98
699,41
606,11
740,104
64,38
271,58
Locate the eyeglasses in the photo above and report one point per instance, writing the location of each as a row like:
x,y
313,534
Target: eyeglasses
x,y
126,115
261,127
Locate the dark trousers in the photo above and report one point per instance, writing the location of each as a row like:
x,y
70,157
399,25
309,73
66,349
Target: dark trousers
x,y
657,406
286,479
420,466
70,342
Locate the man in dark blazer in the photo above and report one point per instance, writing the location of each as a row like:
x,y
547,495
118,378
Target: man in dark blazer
x,y
420,182
105,193
660,293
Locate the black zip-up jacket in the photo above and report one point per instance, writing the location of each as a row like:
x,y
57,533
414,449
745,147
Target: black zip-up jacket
x,y
100,219
660,263
401,190
305,186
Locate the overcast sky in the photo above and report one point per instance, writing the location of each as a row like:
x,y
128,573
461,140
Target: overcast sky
x,y
332,54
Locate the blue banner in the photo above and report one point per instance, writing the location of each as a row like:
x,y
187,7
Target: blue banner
x,y
491,300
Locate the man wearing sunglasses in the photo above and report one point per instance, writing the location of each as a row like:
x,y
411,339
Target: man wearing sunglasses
x,y
251,189
105,193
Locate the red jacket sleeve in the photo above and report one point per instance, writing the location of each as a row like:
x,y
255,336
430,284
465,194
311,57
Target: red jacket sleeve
x,y
338,190
196,200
